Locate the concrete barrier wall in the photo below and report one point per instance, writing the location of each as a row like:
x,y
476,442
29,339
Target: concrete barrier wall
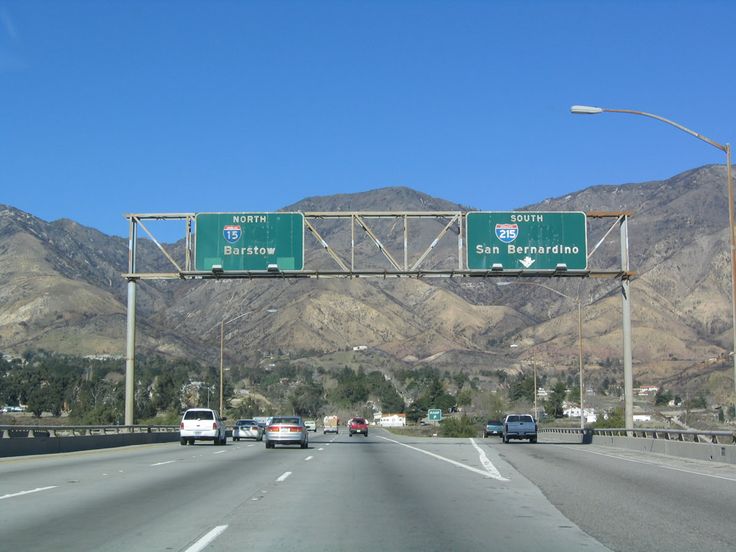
x,y
49,445
682,449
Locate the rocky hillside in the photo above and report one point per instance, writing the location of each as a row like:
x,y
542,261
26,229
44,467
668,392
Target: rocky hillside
x,y
62,290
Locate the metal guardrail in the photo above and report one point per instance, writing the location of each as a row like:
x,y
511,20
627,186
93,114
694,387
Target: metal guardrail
x,y
27,431
691,435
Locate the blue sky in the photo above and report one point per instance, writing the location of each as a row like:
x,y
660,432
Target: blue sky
x,y
182,106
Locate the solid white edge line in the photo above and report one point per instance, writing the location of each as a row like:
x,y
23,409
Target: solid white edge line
x,y
487,464
655,465
283,476
37,490
484,473
207,539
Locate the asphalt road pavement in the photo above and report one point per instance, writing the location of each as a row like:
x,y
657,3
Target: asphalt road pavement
x,y
383,492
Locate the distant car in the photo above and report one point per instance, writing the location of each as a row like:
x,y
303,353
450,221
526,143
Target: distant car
x,y
202,424
247,429
311,425
358,425
262,421
493,427
286,430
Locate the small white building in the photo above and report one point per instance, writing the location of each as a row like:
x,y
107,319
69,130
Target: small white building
x,y
392,420
574,412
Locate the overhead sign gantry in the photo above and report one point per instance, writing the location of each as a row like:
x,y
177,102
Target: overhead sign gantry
x,y
272,245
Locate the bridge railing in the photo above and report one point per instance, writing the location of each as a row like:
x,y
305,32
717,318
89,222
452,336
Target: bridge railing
x,y
32,431
689,435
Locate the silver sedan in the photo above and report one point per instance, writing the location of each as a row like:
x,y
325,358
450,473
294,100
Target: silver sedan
x,y
247,429
286,430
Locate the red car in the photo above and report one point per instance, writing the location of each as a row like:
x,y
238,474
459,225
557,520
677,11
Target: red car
x,y
358,425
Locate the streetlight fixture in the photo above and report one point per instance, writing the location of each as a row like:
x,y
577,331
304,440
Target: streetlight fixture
x,y
222,352
726,148
580,337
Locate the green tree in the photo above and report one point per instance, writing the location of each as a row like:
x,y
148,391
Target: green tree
x,y
662,397
464,397
522,388
615,419
553,405
459,426
307,399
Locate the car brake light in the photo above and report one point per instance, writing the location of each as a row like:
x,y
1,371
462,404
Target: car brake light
x,y
293,429
272,428
181,425
214,425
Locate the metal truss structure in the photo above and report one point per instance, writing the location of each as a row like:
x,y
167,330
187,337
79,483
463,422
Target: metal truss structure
x,y
349,261
384,230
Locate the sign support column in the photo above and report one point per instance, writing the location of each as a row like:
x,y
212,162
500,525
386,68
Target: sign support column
x,y
626,308
130,339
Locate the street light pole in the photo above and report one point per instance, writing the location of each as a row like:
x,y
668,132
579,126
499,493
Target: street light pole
x,y
534,365
222,352
726,148
580,339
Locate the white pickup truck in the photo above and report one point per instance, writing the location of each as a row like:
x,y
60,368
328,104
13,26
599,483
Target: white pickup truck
x,y
519,426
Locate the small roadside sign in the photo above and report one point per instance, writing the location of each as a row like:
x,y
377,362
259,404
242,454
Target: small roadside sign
x,y
434,415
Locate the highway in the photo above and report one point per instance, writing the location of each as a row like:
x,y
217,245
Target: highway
x,y
383,492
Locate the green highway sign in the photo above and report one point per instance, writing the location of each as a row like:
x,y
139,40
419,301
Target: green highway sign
x,y
249,241
434,415
526,240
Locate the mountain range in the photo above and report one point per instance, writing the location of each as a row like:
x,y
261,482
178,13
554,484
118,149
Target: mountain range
x,y
61,289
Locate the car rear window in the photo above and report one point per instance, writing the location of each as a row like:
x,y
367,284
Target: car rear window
x,y
199,415
358,421
513,419
285,420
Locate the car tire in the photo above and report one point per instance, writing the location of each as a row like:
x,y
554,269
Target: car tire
x,y
366,434
183,441
533,440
